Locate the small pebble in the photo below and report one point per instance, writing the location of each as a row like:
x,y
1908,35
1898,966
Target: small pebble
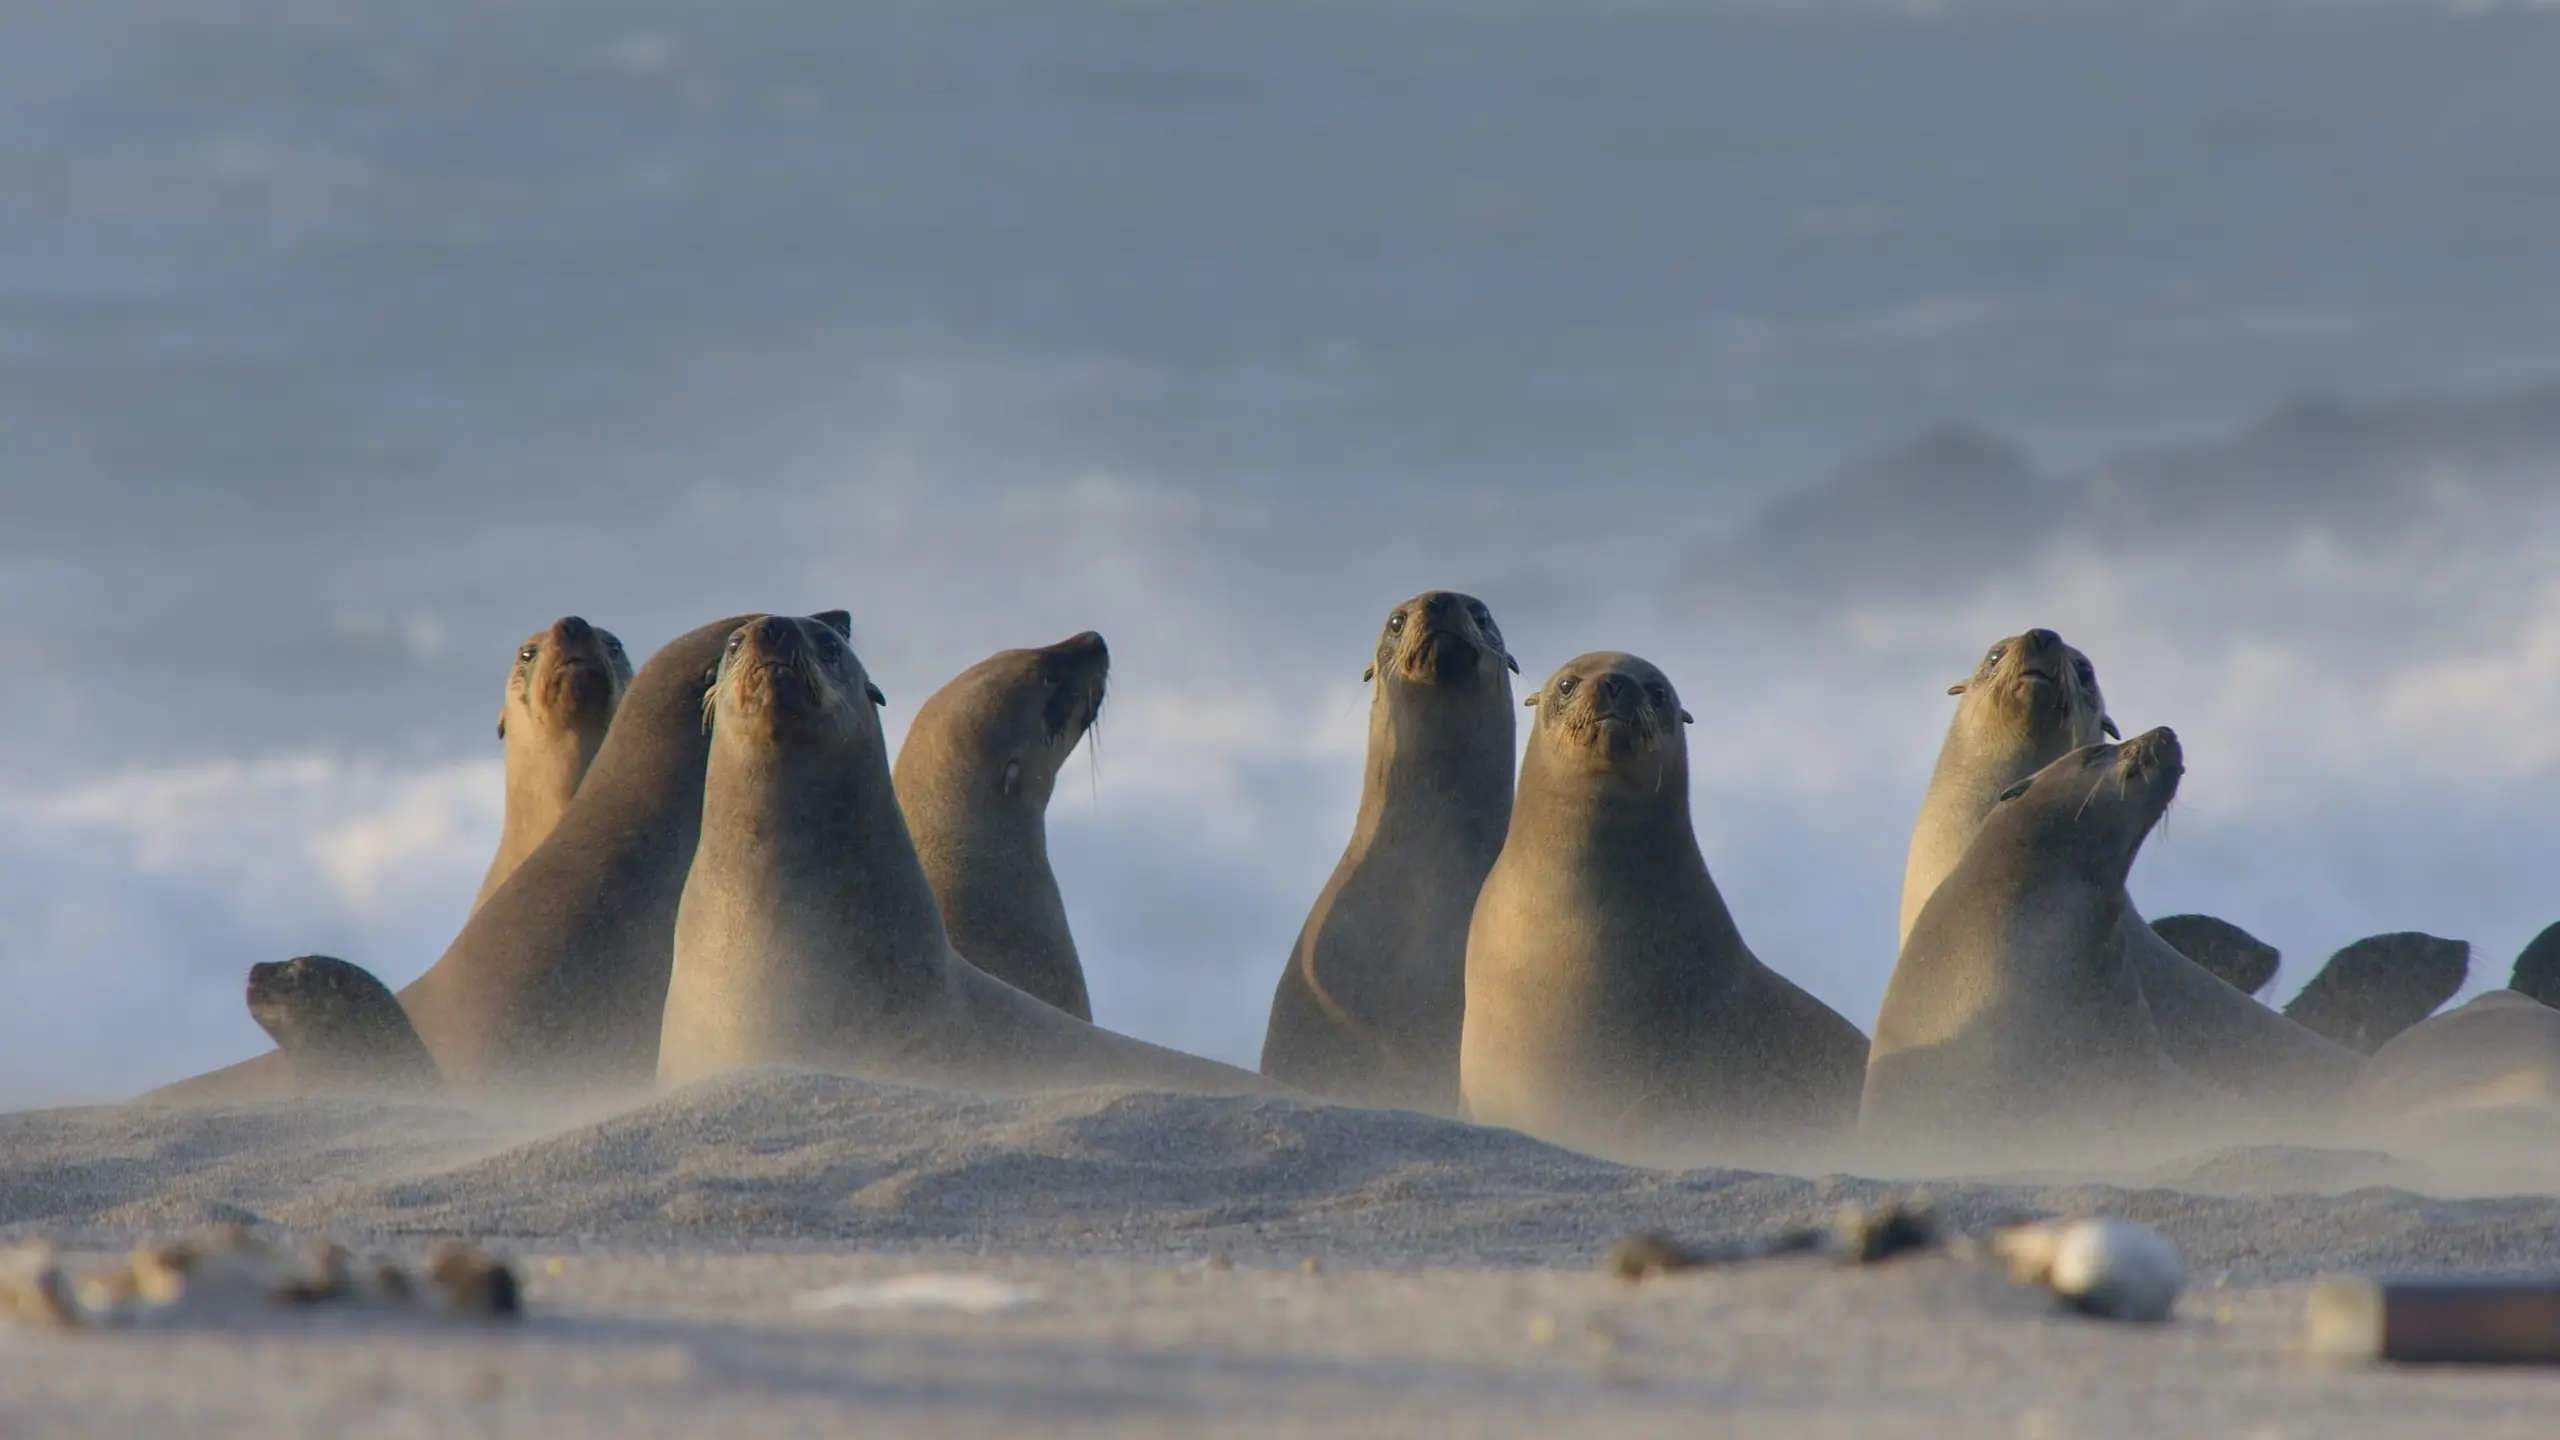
x,y
1651,1253
1870,1234
225,1271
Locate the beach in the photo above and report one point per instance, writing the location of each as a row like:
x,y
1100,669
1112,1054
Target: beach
x,y
790,1253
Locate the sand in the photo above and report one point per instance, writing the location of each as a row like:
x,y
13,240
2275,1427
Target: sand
x,y
786,1253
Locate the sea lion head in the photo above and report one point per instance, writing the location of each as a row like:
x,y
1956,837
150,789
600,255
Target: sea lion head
x,y
2099,802
1441,637
2537,971
784,679
568,679
315,998
1005,726
2036,689
1610,712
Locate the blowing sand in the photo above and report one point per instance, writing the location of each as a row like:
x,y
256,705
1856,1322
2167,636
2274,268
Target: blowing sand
x,y
785,1253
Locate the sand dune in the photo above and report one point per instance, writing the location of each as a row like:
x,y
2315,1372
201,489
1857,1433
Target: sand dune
x,y
688,1259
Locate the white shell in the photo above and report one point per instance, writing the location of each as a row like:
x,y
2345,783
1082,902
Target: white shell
x,y
2106,1266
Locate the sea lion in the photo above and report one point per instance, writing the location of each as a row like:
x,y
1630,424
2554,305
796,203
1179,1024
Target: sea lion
x,y
2030,700
560,697
2224,950
341,1029
2537,971
2380,986
807,932
974,778
2500,1051
2014,1018
564,980
560,976
1611,1002
1370,1007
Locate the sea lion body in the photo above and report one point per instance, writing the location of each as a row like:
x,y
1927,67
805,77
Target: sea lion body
x,y
1611,1003
2501,1050
1373,1001
2031,700
341,1030
560,977
808,933
2380,986
974,777
2014,1017
560,698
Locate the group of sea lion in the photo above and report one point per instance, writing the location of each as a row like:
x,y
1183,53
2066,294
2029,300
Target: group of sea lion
x,y
712,864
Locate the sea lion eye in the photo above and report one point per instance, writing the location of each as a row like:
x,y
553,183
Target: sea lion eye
x,y
737,640
526,653
1996,652
1660,694
2087,672
1395,623
613,645
1565,685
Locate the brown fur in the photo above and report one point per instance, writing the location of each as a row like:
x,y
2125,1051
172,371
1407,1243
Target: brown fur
x,y
561,693
343,1030
1611,1002
2014,1020
808,934
1372,1003
974,778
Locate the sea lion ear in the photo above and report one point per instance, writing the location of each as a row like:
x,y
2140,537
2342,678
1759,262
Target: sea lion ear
x,y
840,621
2014,791
1532,702
2108,724
1368,673
1511,660
1959,687
873,690
1013,777
502,722
1688,719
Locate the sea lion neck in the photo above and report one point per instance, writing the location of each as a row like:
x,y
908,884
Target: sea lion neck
x,y
811,837
1440,758
1632,826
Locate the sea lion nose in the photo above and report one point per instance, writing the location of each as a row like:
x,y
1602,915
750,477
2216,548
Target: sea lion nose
x,y
2042,640
1613,687
572,630
1437,608
774,632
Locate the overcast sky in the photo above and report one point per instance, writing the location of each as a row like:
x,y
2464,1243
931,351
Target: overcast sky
x,y
1803,353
